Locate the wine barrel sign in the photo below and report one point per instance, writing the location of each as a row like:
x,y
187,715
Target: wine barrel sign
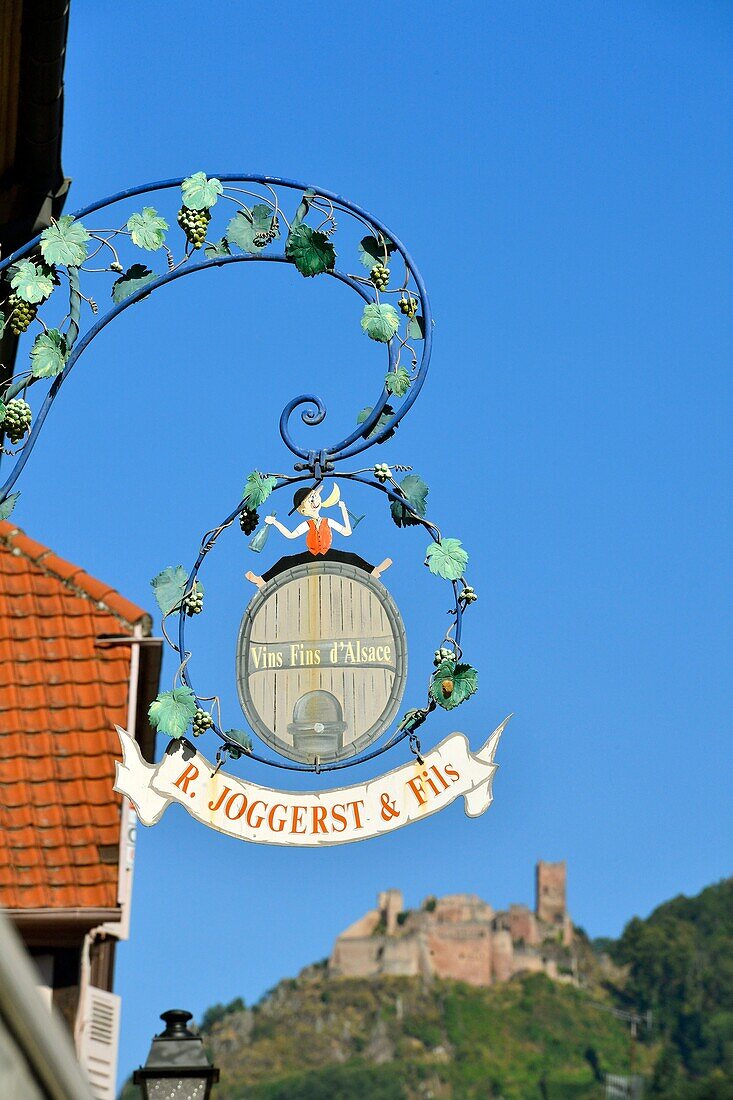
x,y
321,661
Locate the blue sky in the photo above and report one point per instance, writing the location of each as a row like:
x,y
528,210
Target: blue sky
x,y
562,175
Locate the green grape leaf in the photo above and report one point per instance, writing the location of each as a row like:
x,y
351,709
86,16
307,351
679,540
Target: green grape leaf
x,y
3,410
416,494
416,328
135,277
262,219
219,248
384,419
169,587
31,282
200,193
465,684
241,738
172,711
447,559
147,229
257,489
241,232
48,354
65,242
380,321
397,382
372,251
248,224
2,323
310,250
8,504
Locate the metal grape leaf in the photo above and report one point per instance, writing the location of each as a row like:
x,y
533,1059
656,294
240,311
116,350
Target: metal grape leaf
x,y
380,321
8,504
384,419
241,738
263,218
169,588
48,354
147,229
416,494
31,282
257,489
397,382
200,193
135,277
373,251
464,680
416,328
172,711
241,232
310,250
219,248
447,559
2,323
248,224
65,242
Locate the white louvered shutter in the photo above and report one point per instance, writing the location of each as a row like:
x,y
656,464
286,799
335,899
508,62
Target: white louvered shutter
x,y
99,1039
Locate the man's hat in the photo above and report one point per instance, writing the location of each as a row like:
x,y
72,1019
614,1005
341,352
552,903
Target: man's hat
x,y
300,494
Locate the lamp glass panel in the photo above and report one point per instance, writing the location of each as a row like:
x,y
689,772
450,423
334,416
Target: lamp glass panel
x,y
176,1088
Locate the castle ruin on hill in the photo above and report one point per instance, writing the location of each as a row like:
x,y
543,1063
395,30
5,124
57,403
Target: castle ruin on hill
x,y
461,937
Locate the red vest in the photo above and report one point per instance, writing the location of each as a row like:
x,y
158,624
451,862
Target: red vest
x,y
319,539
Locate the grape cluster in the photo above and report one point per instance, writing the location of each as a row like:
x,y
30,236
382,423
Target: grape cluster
x,y
17,419
443,654
268,236
408,306
202,721
468,595
194,224
248,520
22,313
380,276
194,601
382,472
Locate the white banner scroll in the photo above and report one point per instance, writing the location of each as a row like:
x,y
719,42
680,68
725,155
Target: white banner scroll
x,y
308,818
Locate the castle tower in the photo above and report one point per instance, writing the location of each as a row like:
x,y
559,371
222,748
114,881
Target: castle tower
x,y
550,900
390,904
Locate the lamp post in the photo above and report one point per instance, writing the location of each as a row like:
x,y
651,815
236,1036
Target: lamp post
x,y
177,1067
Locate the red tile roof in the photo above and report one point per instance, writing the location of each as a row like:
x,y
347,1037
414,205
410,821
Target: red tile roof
x,y
60,696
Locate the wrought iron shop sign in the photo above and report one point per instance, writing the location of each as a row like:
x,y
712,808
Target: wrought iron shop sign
x,y
321,655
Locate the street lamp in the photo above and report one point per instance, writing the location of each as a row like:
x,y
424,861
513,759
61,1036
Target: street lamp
x,y
177,1067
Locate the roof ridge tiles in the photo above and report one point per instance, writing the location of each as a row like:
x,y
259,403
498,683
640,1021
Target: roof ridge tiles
x,y
74,578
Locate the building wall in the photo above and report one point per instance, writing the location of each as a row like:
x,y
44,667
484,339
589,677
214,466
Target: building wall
x,y
462,954
356,957
502,956
523,925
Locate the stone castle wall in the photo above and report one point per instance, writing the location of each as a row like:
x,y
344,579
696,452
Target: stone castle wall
x,y
459,936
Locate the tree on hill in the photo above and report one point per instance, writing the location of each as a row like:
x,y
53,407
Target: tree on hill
x,y
680,963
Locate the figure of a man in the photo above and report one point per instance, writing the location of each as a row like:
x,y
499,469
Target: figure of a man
x,y
317,530
318,535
